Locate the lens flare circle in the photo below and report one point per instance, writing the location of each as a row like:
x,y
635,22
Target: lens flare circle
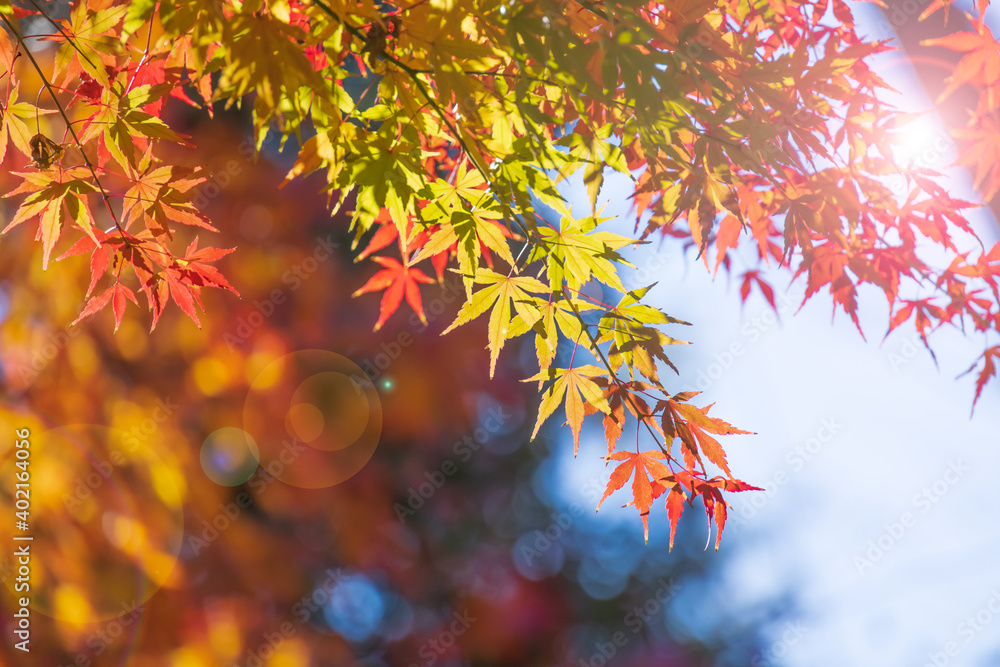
x,y
316,416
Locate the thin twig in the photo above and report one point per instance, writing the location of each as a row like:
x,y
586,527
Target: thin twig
x,y
145,54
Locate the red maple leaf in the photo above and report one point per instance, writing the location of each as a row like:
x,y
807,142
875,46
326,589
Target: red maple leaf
x,y
989,358
749,277
198,272
397,280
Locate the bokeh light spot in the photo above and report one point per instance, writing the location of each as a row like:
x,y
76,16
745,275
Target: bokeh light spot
x,y
72,606
210,375
262,370
355,609
229,456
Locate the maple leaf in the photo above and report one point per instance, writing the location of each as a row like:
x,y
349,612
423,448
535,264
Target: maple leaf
x,y
179,279
468,187
727,238
182,292
693,426
751,277
578,387
622,395
574,252
675,508
18,124
116,295
548,318
196,270
980,65
716,508
276,78
500,292
981,152
634,341
592,149
989,370
121,125
924,310
95,304
398,280
468,232
638,466
56,195
89,39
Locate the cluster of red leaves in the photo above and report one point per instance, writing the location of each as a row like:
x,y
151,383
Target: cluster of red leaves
x,y
653,474
806,176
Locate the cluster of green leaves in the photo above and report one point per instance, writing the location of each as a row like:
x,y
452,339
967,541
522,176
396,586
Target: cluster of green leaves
x,y
730,117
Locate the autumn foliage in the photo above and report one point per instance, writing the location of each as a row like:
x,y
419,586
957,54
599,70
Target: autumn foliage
x,y
445,128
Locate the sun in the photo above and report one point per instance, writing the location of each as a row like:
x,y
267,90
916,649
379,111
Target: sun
x,y
922,143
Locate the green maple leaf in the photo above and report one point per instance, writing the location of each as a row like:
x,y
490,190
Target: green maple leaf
x,y
500,292
575,252
634,341
468,229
